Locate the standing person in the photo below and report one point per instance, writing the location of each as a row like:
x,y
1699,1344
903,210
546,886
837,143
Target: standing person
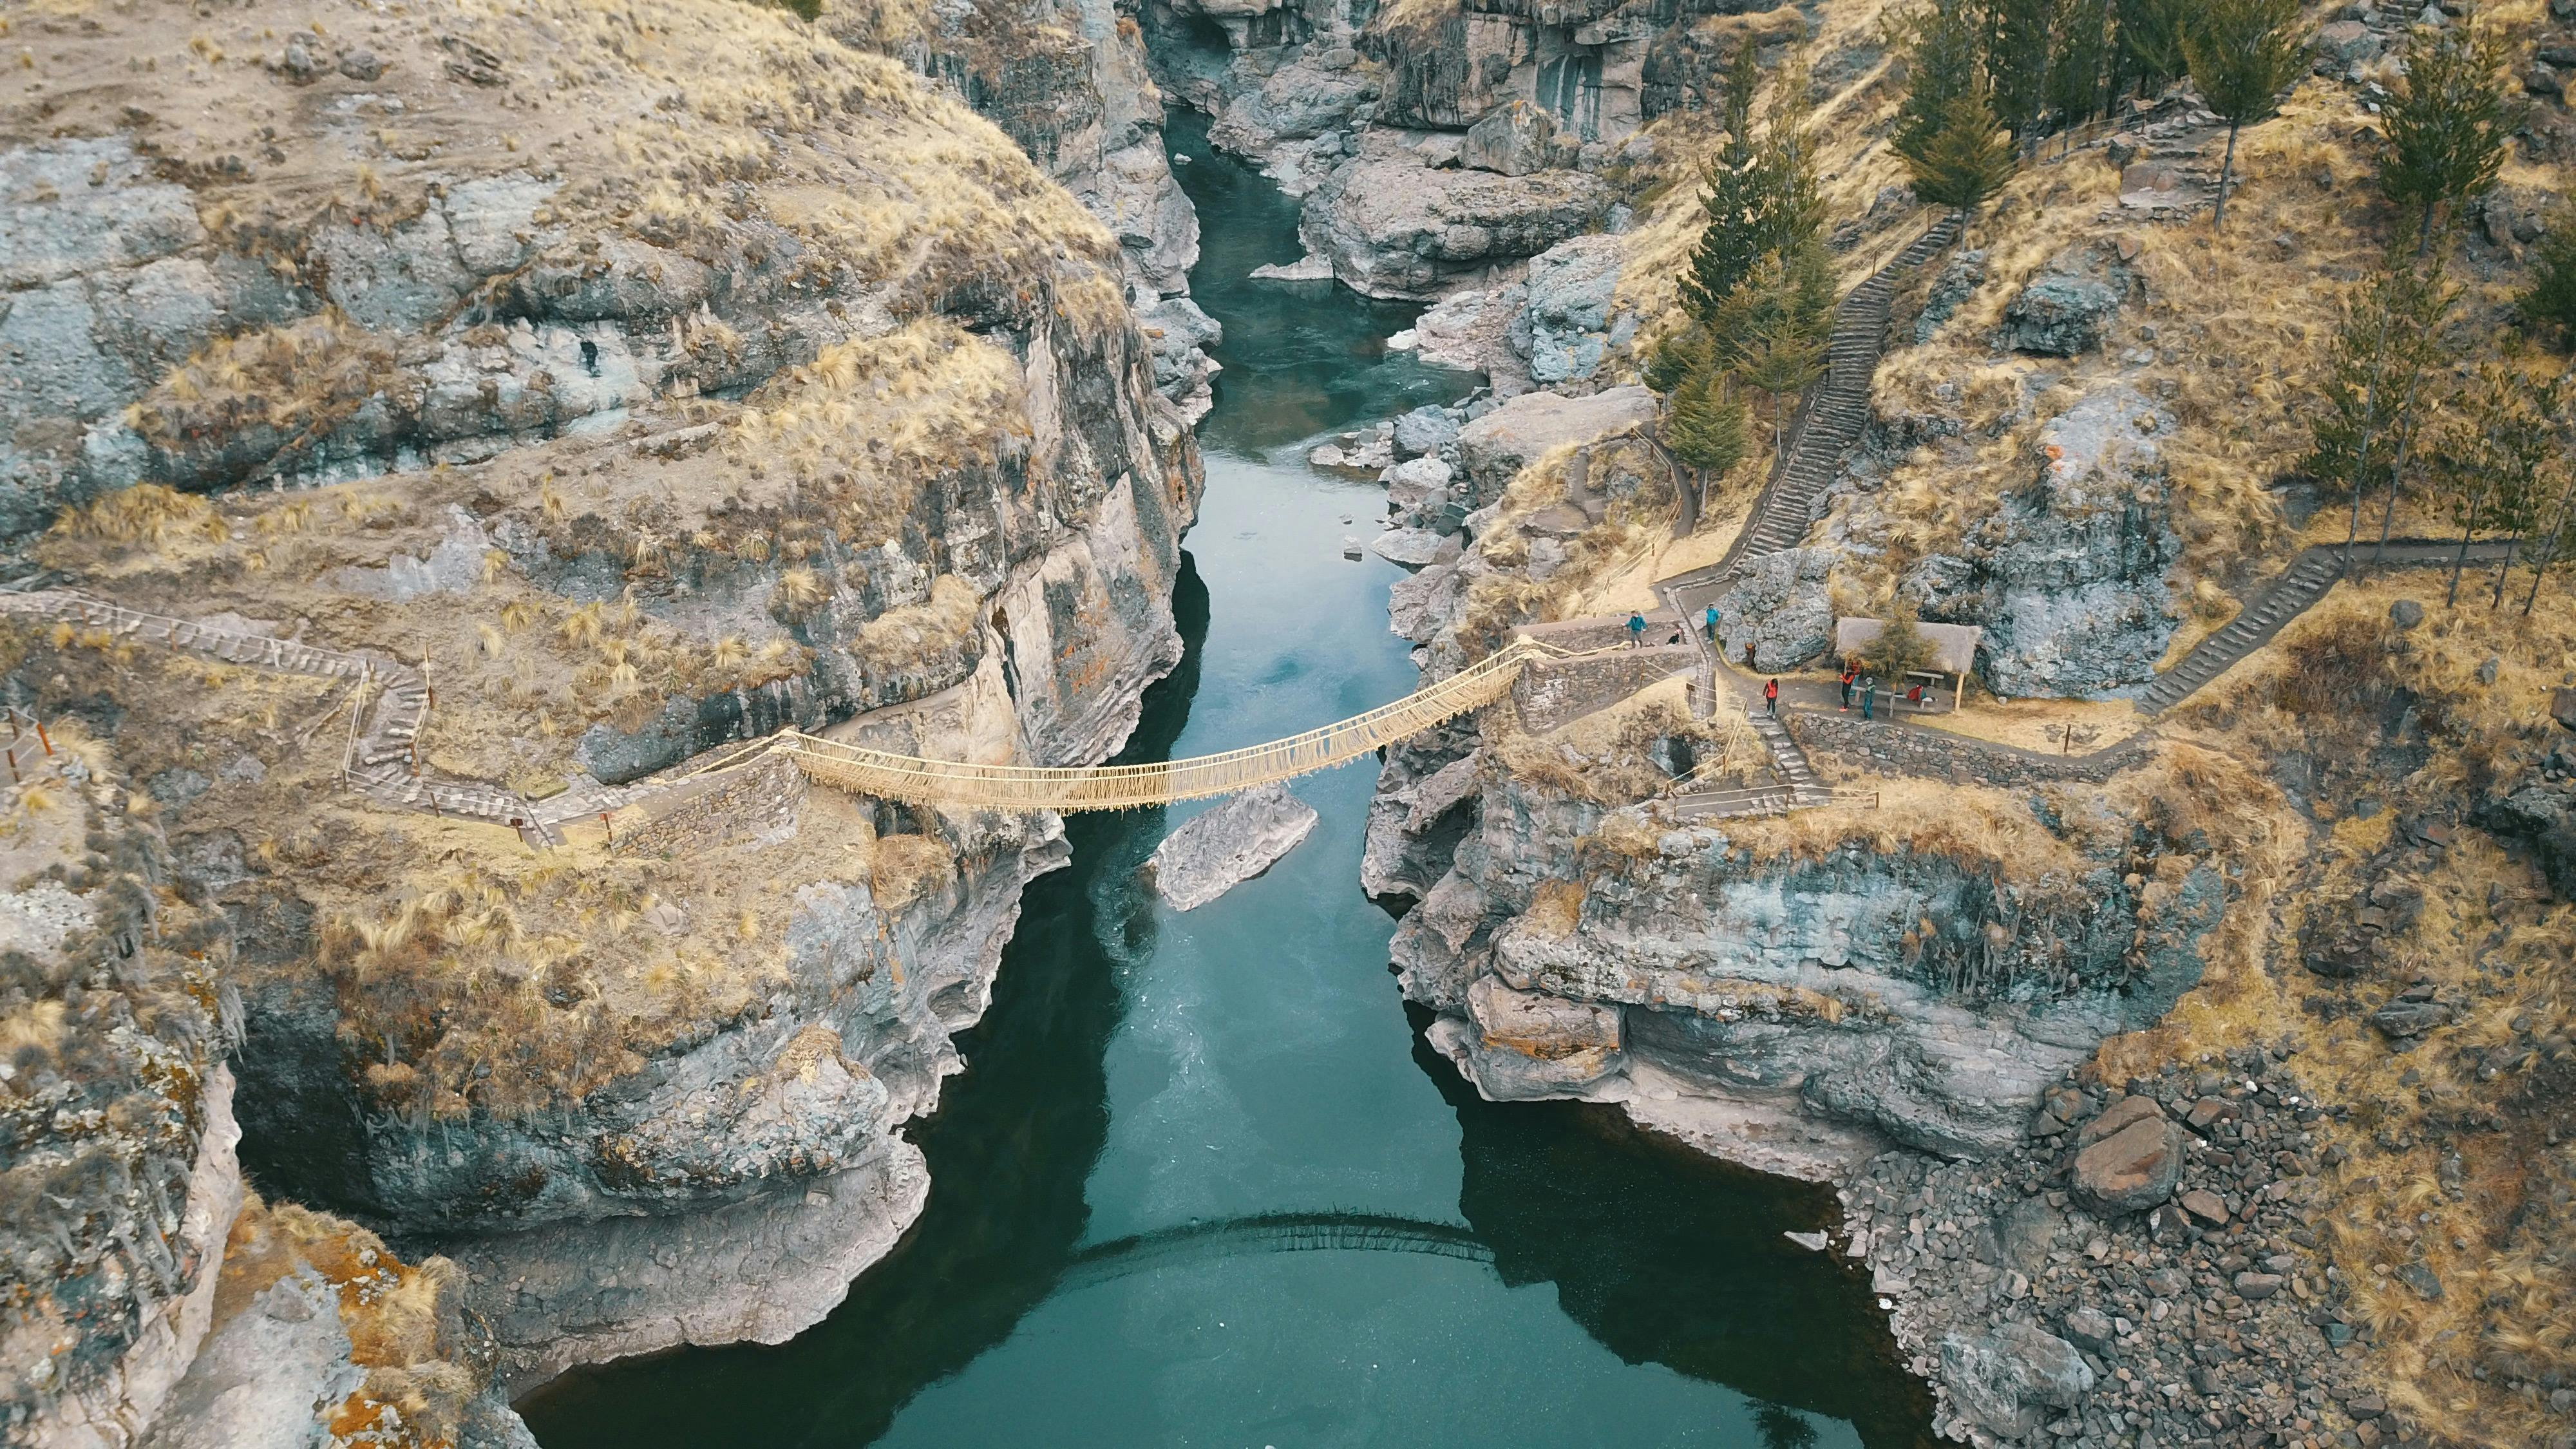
x,y
1713,617
1748,654
1849,674
1636,630
1771,696
1914,697
1869,696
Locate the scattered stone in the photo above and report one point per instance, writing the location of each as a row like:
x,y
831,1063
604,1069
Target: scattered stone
x,y
1218,849
2205,1205
2089,1328
2257,1286
2406,613
2401,1018
1812,1242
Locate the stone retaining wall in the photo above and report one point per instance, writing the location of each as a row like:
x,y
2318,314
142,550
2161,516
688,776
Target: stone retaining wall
x,y
1911,750
1550,693
757,798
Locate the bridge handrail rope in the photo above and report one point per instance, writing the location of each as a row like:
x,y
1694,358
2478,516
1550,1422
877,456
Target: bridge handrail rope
x,y
856,767
906,777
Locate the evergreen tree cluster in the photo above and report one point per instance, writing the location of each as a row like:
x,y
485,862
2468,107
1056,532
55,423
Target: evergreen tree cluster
x,y
1759,289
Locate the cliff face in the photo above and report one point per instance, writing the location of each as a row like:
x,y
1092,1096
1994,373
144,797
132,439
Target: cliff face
x,y
1068,81
1793,1008
118,1169
644,381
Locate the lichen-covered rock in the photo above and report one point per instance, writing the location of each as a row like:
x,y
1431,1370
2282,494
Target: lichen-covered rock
x,y
2067,575
1568,314
1221,848
2063,311
1516,140
2012,1379
1958,282
1499,444
1780,608
1395,228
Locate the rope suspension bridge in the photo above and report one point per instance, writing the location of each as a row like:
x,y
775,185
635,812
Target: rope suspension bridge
x,y
383,756
1126,787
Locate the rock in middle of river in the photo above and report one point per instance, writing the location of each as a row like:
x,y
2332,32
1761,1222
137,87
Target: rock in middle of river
x,y
1216,851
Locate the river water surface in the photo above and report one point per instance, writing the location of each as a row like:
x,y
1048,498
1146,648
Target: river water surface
x,y
1201,1184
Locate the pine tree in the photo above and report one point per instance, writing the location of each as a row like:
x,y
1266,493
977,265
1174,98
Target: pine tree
x,y
1901,648
2019,47
2243,54
2559,482
2388,339
2446,129
1735,204
2151,42
1775,338
1676,357
2502,439
2549,304
1706,428
1965,162
1944,59
2080,66
1793,212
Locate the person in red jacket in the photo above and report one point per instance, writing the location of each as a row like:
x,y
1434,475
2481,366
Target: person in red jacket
x,y
1849,674
1771,696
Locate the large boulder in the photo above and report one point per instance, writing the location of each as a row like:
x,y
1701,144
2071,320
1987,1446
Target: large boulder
x,y
1567,317
1779,608
2067,574
1502,442
1396,228
2134,1164
2010,1380
1426,430
2064,310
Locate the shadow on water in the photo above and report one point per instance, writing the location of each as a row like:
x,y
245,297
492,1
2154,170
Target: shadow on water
x,y
1009,1151
1666,1256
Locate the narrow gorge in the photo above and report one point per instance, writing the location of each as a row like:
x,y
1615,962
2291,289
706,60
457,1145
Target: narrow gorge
x,y
1970,599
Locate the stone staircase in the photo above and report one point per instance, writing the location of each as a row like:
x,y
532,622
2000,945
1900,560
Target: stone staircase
x,y
1826,427
391,699
2310,577
1799,789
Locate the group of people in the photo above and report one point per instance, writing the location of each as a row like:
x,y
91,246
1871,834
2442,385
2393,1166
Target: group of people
x,y
1855,683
